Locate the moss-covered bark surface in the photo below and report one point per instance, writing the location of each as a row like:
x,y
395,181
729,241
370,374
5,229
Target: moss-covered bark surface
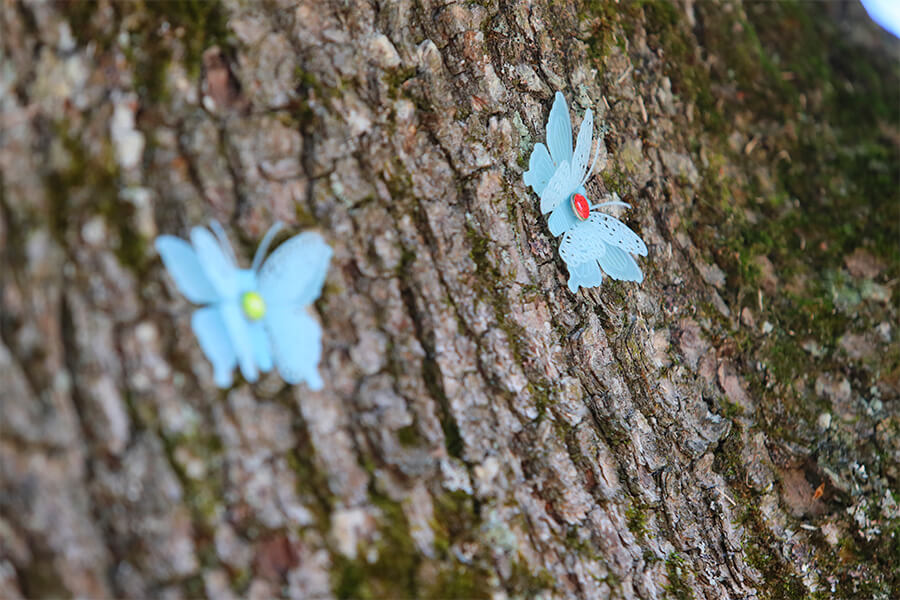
x,y
730,428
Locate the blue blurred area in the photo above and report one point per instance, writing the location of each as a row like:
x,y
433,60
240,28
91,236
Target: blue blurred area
x,y
886,13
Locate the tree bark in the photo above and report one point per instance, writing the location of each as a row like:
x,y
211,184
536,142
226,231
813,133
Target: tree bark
x,y
726,429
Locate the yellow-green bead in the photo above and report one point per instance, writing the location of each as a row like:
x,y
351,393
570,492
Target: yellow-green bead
x,y
254,306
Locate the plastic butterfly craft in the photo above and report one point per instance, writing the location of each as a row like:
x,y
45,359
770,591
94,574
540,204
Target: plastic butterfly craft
x,y
591,239
254,317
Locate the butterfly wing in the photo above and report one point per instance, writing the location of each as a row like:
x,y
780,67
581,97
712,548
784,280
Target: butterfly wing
x,y
209,327
581,244
262,348
562,219
238,329
296,344
183,265
558,189
289,280
559,131
583,148
585,275
618,264
616,233
540,169
294,273
599,158
218,267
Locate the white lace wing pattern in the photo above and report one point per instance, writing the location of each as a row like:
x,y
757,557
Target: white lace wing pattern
x,y
616,233
583,148
581,244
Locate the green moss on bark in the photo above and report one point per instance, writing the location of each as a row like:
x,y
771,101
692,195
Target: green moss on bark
x,y
150,31
795,149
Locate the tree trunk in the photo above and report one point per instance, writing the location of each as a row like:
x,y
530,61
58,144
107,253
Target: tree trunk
x,y
729,428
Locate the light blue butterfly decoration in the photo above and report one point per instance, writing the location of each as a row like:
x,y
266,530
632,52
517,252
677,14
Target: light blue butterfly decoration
x,y
591,239
256,317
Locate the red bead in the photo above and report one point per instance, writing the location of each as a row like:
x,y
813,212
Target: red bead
x,y
580,206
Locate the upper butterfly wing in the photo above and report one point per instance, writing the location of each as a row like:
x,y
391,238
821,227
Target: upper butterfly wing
x,y
599,158
616,233
561,186
295,272
218,267
559,131
183,265
540,169
583,147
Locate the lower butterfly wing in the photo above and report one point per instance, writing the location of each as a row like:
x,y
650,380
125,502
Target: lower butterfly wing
x,y
183,265
618,264
580,249
209,327
540,169
585,275
238,329
262,349
296,341
581,244
586,245
294,273
616,233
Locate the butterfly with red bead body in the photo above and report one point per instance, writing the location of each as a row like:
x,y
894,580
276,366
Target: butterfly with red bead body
x,y
593,242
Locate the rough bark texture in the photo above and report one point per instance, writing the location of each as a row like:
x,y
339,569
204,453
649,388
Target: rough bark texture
x,y
728,429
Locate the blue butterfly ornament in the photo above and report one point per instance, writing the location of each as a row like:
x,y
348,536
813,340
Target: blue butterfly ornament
x,y
254,318
593,242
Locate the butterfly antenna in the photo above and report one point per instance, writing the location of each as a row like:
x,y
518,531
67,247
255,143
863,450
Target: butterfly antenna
x,y
616,202
223,240
264,244
613,203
